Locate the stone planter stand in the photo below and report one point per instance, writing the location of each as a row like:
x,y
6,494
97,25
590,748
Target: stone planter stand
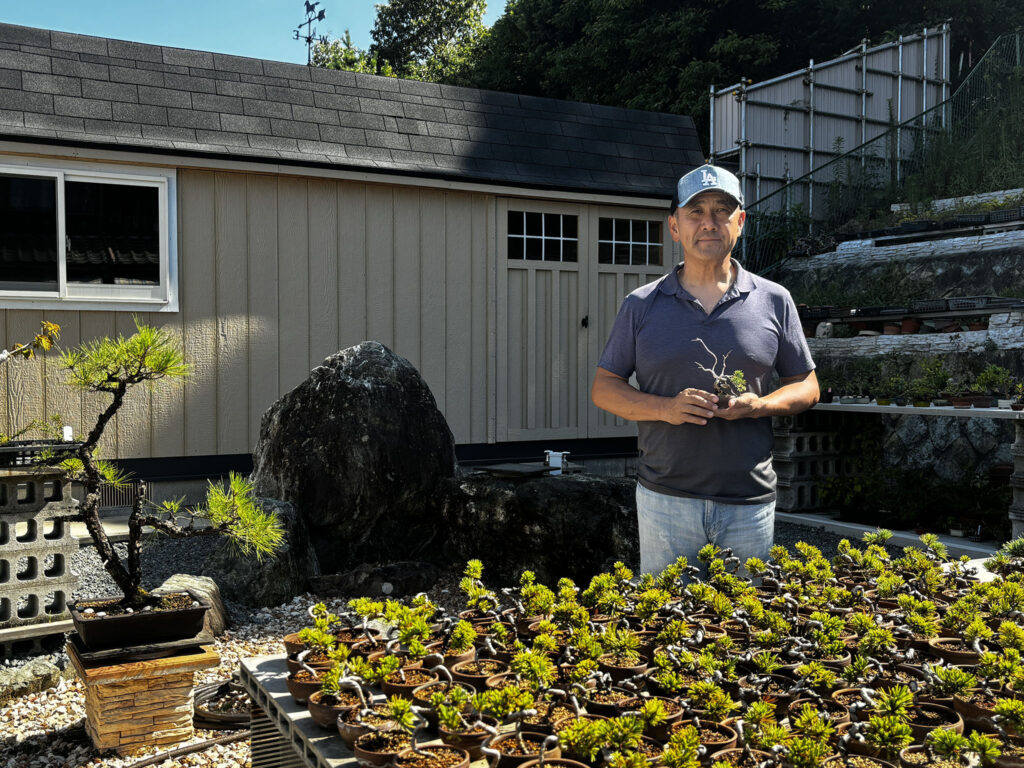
x,y
142,703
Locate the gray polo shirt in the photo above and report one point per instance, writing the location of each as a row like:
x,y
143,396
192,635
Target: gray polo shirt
x,y
756,322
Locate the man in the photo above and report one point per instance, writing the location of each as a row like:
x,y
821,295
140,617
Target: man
x,y
705,471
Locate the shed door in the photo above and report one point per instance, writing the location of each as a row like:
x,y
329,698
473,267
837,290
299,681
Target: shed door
x,y
633,248
543,376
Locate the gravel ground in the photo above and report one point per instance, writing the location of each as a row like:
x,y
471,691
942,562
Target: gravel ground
x,y
45,730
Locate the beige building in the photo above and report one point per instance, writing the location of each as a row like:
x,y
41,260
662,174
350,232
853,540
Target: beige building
x,y
271,214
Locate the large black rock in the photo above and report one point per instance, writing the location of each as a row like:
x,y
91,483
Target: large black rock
x,y
359,448
571,525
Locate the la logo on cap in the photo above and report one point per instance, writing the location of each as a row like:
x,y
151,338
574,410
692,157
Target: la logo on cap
x,y
707,178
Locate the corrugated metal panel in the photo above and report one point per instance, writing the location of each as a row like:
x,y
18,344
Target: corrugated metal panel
x,y
786,127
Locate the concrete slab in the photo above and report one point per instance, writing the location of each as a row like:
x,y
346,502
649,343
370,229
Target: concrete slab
x,y
853,531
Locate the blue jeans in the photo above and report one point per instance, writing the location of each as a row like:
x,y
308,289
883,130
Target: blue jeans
x,y
671,526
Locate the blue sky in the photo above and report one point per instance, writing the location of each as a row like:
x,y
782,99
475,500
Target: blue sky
x,y
258,28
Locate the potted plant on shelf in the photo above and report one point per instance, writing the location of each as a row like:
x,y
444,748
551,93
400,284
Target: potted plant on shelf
x,y
1017,397
997,382
113,368
890,388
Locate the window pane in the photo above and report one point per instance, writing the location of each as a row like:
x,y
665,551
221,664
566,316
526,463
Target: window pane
x,y
654,232
28,234
569,227
639,231
533,224
604,229
622,253
533,248
552,250
113,233
638,255
515,248
654,254
552,225
569,250
622,229
515,222
604,252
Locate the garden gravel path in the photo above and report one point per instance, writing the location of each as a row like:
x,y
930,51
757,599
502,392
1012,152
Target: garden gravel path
x,y
45,730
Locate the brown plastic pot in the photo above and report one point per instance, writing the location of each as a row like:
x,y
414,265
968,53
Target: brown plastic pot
x,y
837,761
408,757
954,721
301,690
471,742
421,697
531,739
325,715
725,754
659,732
937,647
416,677
461,672
727,736
380,747
292,644
617,672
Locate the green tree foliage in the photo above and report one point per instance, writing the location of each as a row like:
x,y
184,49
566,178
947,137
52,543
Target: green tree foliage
x,y
659,55
342,53
432,40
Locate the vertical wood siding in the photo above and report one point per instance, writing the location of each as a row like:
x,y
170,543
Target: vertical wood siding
x,y
278,272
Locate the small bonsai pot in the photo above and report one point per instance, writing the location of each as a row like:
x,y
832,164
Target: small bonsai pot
x,y
325,715
475,673
534,743
292,644
301,685
928,717
380,747
441,754
414,677
471,741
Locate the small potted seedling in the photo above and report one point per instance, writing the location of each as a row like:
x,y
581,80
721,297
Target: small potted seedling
x,y
382,743
726,387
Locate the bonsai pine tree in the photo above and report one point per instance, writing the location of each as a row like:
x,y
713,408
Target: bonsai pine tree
x,y
114,367
725,387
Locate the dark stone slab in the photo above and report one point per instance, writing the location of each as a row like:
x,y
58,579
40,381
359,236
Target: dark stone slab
x,y
563,525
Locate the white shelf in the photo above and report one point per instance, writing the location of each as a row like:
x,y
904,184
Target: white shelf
x,y
932,410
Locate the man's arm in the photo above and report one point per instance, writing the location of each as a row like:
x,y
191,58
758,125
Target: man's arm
x,y
797,394
616,395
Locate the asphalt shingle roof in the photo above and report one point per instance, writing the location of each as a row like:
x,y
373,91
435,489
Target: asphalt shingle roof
x,y
57,87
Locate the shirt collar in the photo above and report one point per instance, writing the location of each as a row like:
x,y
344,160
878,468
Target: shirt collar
x,y
743,283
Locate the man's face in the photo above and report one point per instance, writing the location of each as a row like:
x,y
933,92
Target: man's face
x,y
707,227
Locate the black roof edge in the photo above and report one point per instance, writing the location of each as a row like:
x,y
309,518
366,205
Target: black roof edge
x,y
227,156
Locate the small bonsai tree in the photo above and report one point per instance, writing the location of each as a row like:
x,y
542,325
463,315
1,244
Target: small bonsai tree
x,y
725,387
114,367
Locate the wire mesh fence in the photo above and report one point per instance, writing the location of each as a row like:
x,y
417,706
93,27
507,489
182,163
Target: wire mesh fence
x,y
971,143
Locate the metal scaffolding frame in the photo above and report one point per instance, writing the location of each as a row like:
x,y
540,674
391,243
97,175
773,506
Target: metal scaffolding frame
x,y
842,101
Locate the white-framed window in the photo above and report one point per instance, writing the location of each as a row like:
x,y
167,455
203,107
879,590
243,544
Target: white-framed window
x,y
536,236
629,241
78,236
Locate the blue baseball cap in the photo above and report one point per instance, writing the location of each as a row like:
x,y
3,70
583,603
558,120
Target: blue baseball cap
x,y
704,179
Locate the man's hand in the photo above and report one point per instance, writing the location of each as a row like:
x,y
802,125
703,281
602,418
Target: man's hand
x,y
691,406
742,406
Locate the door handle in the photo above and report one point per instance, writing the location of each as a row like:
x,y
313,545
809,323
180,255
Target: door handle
x,y
585,322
